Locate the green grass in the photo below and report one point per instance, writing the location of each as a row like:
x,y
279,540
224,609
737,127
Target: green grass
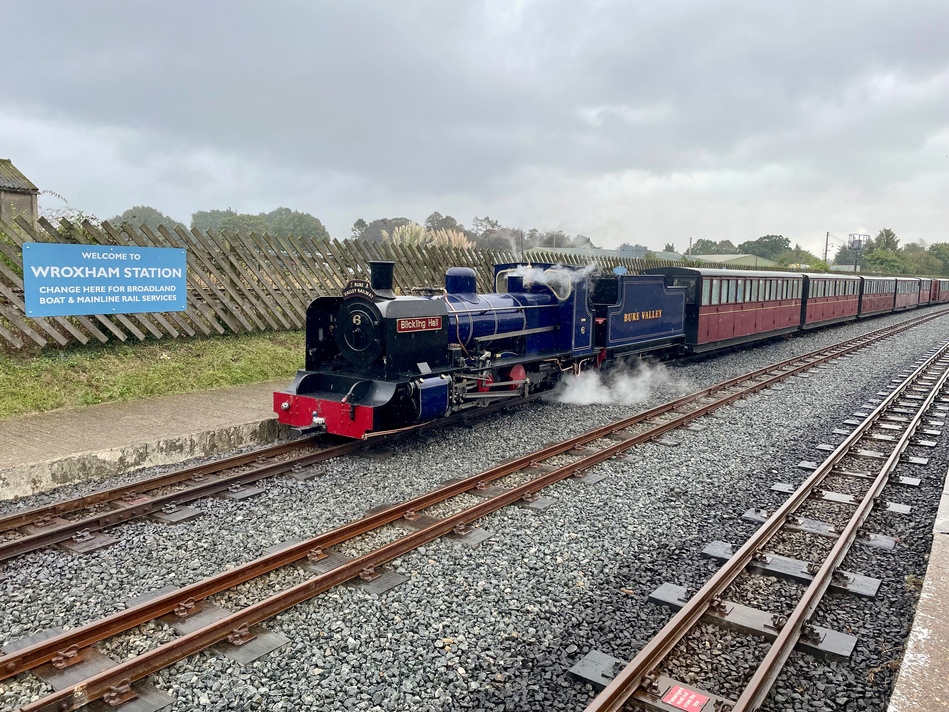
x,y
104,373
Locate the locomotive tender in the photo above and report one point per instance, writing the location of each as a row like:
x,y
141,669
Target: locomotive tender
x,y
377,362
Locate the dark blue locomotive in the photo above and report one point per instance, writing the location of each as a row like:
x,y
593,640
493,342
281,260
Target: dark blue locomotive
x,y
376,362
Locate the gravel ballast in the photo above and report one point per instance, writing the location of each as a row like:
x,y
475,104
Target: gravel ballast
x,y
496,627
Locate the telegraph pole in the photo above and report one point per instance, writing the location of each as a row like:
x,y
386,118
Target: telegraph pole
x,y
826,243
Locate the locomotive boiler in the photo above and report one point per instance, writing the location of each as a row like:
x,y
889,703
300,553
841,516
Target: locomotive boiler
x,y
377,362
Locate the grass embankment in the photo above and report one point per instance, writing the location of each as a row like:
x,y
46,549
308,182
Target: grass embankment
x,y
103,373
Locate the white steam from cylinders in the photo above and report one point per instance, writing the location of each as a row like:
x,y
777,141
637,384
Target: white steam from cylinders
x,y
621,385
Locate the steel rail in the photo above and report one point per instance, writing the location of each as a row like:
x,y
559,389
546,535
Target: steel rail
x,y
90,633
28,516
54,534
622,688
774,661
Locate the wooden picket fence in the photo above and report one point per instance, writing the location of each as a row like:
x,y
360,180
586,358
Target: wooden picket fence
x,y
237,283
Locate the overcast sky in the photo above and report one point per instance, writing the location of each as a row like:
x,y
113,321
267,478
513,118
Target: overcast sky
x,y
646,122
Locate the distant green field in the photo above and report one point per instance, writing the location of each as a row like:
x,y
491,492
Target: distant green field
x,y
103,373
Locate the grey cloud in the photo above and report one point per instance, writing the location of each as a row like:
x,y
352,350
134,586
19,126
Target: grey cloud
x,y
421,99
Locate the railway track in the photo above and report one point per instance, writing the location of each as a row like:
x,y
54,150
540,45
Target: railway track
x,y
79,523
866,460
573,457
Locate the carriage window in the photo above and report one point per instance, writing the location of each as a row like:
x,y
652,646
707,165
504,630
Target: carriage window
x,y
716,286
731,291
754,289
800,288
741,290
785,289
705,290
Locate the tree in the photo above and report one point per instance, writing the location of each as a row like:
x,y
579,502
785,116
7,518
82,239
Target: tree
x,y
359,227
921,262
941,252
484,225
555,238
436,221
769,246
145,215
885,261
244,223
798,256
886,240
497,240
205,220
705,247
285,222
669,247
373,231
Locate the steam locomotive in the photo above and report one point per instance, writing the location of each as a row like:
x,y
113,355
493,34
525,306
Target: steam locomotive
x,y
377,362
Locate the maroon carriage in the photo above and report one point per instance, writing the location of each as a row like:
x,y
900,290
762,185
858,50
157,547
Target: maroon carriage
x,y
907,293
829,298
726,307
877,295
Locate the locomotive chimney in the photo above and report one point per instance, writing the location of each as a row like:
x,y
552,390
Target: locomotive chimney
x,y
380,272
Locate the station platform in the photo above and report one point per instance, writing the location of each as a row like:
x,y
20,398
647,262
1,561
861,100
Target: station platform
x,y
46,450
923,679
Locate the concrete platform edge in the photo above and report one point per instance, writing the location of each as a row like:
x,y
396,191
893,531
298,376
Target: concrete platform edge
x,y
923,679
32,478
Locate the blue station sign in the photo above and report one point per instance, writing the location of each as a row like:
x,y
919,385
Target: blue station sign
x,y
69,280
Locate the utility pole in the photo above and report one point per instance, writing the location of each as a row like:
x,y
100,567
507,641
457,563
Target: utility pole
x,y
826,243
690,247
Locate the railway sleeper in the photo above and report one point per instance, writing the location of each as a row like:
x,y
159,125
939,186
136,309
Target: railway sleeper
x,y
839,497
84,663
824,529
657,692
824,642
796,570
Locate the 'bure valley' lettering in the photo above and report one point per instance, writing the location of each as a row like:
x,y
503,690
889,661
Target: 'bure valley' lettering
x,y
640,315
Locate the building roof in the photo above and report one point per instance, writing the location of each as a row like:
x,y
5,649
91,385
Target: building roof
x,y
12,179
744,259
728,273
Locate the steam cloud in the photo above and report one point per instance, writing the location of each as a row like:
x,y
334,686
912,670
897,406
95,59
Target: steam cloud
x,y
621,385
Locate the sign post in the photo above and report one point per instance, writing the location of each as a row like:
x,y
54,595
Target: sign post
x,y
72,280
